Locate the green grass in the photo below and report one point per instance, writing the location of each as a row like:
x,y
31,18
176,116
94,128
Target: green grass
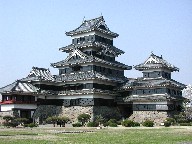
x,y
103,136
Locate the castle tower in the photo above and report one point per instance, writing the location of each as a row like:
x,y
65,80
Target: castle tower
x,y
154,96
90,72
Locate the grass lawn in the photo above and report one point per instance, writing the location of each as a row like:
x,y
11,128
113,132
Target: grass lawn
x,y
39,135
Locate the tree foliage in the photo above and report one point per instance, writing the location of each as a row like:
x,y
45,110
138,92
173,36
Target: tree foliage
x,y
63,120
52,119
187,93
8,118
59,120
148,123
83,118
21,120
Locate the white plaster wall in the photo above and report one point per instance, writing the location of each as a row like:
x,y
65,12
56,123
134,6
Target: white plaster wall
x,y
86,96
8,107
153,102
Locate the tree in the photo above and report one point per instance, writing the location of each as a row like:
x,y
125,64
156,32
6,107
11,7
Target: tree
x,y
99,119
187,93
52,119
21,121
83,118
8,118
63,120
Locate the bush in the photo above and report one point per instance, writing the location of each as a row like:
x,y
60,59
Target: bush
x,y
6,124
112,121
136,124
83,118
185,124
172,120
128,123
10,124
112,124
31,125
148,123
181,120
99,119
8,118
21,121
77,124
167,123
105,124
92,124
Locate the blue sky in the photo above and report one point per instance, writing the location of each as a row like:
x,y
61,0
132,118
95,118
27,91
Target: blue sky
x,y
31,32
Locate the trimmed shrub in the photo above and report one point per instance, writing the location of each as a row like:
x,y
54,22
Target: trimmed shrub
x,y
148,123
83,118
8,118
185,124
181,120
112,124
105,124
128,123
10,124
172,120
92,124
77,124
136,124
112,121
167,123
99,119
31,125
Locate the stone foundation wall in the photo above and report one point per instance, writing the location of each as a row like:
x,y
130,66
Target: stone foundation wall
x,y
105,111
157,116
44,111
74,111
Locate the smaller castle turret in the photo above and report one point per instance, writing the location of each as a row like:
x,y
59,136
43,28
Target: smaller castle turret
x,y
154,96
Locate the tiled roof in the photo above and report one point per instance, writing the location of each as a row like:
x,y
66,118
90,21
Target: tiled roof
x,y
101,45
86,59
150,98
97,24
151,82
40,74
19,86
88,75
155,62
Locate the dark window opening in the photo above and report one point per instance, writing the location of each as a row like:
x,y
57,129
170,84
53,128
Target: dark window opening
x,y
76,68
102,27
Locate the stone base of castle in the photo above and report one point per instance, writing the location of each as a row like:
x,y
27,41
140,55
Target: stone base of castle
x,y
157,116
44,111
104,111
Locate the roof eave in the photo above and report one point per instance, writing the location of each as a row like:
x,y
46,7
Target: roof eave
x,y
72,33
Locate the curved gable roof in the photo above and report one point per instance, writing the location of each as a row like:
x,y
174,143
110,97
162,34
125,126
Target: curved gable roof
x,y
91,25
155,62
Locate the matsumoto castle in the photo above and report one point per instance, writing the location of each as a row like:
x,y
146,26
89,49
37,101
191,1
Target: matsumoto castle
x,y
91,81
